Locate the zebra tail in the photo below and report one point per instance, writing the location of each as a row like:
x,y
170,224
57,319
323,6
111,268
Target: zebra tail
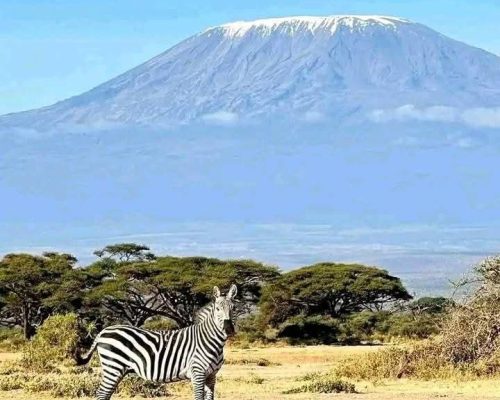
x,y
85,358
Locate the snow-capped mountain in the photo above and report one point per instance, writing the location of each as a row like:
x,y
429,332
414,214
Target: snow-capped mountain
x,y
295,67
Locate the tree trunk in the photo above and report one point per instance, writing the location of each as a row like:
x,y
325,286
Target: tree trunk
x,y
28,329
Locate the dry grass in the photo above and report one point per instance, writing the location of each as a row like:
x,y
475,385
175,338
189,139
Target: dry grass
x,y
293,367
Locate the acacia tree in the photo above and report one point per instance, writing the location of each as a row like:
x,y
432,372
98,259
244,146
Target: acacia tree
x,y
176,287
335,290
27,286
125,252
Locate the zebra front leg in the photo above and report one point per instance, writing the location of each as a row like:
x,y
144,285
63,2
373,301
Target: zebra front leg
x,y
210,387
198,382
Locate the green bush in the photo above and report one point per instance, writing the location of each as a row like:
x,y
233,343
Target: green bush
x,y
11,339
309,330
324,384
135,386
54,344
160,324
251,378
365,323
56,384
250,330
405,325
260,362
83,384
12,382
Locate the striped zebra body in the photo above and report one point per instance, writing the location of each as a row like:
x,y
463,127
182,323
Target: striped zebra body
x,y
194,352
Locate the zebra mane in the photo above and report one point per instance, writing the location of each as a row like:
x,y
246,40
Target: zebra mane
x,y
203,312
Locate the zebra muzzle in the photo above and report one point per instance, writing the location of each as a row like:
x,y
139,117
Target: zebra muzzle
x,y
228,327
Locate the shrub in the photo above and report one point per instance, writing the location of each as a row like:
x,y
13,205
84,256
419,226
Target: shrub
x,y
11,339
260,362
252,378
419,361
54,344
362,326
472,331
310,376
250,330
11,382
85,385
405,325
160,324
310,330
135,386
324,384
77,385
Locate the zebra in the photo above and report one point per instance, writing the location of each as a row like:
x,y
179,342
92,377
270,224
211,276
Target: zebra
x,y
195,352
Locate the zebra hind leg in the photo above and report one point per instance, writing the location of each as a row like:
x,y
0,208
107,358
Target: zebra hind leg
x,y
109,381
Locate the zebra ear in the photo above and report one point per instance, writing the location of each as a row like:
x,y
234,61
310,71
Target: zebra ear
x,y
216,291
232,292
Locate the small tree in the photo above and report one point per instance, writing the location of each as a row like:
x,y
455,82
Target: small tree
x,y
125,252
430,305
27,284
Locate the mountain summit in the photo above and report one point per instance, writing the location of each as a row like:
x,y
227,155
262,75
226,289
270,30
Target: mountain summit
x,y
295,67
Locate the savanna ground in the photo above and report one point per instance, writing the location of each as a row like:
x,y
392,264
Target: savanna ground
x,y
242,378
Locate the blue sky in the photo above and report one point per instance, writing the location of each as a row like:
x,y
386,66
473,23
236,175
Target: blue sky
x,y
50,50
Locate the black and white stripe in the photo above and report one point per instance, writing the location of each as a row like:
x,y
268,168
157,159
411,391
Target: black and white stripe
x,y
194,352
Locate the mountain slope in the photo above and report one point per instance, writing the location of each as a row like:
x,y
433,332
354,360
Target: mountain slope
x,y
296,67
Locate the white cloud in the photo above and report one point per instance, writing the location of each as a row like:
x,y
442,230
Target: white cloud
x,y
476,117
221,118
313,116
407,141
486,117
465,143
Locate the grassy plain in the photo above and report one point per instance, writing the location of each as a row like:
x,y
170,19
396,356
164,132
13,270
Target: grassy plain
x,y
244,379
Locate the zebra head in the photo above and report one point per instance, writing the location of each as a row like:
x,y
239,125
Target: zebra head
x,y
223,309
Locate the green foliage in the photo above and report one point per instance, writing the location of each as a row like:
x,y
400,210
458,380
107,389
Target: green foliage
x,y
323,384
322,303
135,386
160,324
12,382
431,305
409,326
55,343
250,330
76,385
310,330
260,362
126,252
364,326
176,287
251,378
330,289
11,339
31,288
